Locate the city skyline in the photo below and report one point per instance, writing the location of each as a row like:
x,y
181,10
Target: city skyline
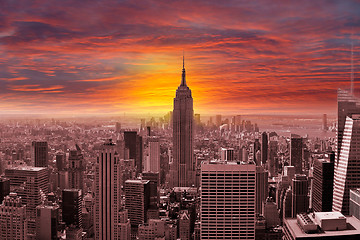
x,y
248,58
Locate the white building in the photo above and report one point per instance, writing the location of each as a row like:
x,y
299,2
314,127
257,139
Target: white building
x,y
227,201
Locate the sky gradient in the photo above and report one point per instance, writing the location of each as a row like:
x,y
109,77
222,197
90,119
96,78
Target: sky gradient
x,y
241,57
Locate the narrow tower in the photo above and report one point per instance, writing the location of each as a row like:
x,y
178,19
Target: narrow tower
x,y
182,168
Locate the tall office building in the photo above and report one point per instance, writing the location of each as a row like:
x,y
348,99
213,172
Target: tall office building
x,y
300,198
264,147
153,160
134,143
261,188
124,225
322,185
39,154
4,188
183,166
227,154
272,163
72,207
348,104
13,220
31,184
347,169
227,202
107,193
325,127
296,152
76,169
137,200
47,220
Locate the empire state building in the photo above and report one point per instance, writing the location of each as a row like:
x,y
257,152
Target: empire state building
x,y
183,164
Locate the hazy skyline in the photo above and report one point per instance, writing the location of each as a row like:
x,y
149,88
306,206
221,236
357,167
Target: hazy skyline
x,y
246,57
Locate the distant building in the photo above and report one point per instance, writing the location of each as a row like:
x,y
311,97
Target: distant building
x,y
134,143
184,225
154,229
60,161
264,147
324,126
296,152
347,169
13,219
76,168
153,161
321,225
227,154
233,212
39,154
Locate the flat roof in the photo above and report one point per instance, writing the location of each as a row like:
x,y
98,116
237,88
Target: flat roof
x,y
25,167
329,215
297,231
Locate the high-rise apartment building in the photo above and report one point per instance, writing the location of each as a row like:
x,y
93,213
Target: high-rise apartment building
x,y
347,169
107,193
76,169
183,133
13,220
39,154
227,201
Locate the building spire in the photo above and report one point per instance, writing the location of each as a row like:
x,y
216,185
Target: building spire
x,y
183,80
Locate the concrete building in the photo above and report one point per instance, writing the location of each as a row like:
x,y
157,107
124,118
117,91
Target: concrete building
x,y
296,152
227,201
72,207
153,159
300,194
262,187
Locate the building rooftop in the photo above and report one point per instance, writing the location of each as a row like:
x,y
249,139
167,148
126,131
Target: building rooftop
x,y
328,215
26,168
353,228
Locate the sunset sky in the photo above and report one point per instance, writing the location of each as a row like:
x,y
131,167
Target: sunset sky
x,y
241,57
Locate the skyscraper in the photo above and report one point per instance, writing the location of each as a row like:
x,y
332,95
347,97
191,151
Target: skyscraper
x,y
348,104
76,168
13,221
227,201
153,160
4,188
300,199
322,190
261,188
107,193
39,154
347,169
134,143
183,169
264,147
296,152
72,207
31,184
